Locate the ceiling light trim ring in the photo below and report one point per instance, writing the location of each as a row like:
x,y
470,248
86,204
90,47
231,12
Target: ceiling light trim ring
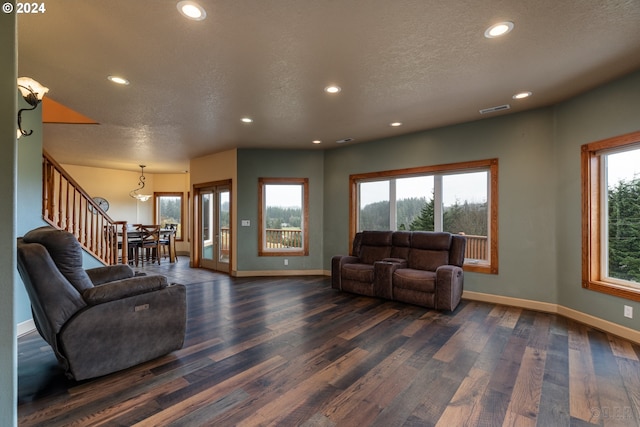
x,y
498,30
191,10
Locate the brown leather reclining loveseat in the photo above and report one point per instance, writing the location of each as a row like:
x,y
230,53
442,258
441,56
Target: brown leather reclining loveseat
x,y
417,267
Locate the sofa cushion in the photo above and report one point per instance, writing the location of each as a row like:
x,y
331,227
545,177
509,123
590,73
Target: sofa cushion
x,y
377,238
437,241
423,259
66,252
415,280
375,245
358,272
401,242
371,254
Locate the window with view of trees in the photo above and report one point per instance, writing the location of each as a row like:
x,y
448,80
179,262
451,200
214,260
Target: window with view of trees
x,y
458,198
168,211
283,216
611,216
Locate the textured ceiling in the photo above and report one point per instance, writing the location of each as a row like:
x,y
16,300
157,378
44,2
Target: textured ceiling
x,y
425,63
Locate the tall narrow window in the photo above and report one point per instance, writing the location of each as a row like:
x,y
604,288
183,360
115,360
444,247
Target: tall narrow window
x,y
458,198
611,216
283,216
168,211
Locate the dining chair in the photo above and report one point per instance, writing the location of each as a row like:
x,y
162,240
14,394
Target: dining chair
x,y
148,246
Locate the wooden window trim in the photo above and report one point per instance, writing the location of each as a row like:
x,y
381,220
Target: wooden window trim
x,y
591,216
262,182
490,164
171,194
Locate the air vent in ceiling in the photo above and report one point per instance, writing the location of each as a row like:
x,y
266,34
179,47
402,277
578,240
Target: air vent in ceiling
x,y
495,109
342,141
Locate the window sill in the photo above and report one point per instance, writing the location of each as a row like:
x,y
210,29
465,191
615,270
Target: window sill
x,y
613,289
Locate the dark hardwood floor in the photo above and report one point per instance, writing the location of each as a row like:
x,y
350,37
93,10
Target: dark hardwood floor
x,y
292,351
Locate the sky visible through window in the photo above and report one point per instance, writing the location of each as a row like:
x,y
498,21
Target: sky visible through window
x,y
284,196
470,187
623,166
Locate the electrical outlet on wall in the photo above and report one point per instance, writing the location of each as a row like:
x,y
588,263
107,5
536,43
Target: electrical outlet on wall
x,y
286,261
628,311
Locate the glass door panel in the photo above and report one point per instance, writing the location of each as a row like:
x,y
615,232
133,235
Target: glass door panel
x,y
223,240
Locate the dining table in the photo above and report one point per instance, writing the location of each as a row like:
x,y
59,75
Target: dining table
x,y
134,236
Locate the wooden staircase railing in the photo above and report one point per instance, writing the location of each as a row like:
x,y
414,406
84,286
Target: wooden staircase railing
x,y
66,206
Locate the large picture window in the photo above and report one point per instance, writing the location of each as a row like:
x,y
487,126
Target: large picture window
x,y
168,211
283,216
460,198
611,216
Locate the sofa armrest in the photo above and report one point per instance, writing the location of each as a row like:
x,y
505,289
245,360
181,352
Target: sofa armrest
x,y
449,284
336,267
123,288
383,277
104,338
110,273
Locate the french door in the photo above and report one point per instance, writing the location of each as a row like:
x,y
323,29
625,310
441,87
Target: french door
x,y
214,231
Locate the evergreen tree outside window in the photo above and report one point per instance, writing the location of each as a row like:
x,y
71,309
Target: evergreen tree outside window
x,y
168,211
283,216
622,254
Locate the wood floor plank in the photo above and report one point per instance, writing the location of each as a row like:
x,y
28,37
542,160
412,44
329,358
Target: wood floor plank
x,y
367,324
622,348
297,395
208,396
292,351
525,398
465,407
584,398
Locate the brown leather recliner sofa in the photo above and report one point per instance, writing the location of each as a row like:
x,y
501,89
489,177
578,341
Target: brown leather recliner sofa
x,y
417,267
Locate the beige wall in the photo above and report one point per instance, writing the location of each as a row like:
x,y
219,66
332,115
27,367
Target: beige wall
x,y
115,185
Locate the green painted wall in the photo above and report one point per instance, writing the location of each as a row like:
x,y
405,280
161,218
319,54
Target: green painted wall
x,y
29,194
8,110
254,164
523,145
610,110
539,190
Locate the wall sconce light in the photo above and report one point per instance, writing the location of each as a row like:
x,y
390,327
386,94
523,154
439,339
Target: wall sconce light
x,y
134,193
32,92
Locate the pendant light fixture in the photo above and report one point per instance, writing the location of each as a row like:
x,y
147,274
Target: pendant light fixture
x,y
135,193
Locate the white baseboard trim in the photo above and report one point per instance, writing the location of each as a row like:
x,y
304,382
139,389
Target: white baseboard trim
x,y
587,319
25,327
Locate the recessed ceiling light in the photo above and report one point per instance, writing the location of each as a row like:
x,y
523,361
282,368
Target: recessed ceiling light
x,y
522,95
118,80
332,89
247,120
395,124
316,141
192,10
499,29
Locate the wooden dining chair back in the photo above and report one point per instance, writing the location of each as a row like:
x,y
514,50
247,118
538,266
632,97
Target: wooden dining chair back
x,y
148,247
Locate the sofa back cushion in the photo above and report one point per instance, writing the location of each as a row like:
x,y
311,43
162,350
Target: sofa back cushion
x,y
375,245
53,299
401,243
429,250
66,252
